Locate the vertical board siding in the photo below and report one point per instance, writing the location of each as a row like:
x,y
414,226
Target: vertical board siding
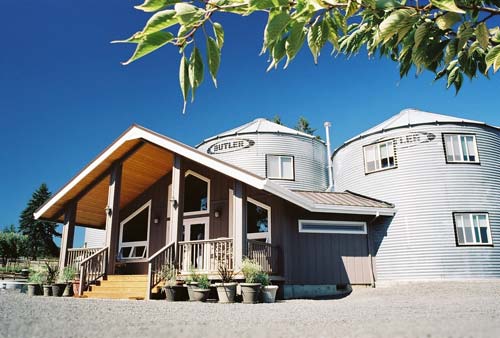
x,y
310,158
419,242
94,238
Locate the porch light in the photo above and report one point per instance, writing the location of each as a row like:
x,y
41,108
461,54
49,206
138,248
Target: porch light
x,y
156,220
108,210
217,213
174,203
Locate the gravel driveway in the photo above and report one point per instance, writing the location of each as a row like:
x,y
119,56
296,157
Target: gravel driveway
x,y
431,309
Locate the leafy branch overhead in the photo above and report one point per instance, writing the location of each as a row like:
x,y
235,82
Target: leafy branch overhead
x,y
450,38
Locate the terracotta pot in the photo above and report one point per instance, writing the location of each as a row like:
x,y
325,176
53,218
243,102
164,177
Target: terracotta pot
x,y
190,287
269,293
226,292
250,292
175,293
200,295
76,287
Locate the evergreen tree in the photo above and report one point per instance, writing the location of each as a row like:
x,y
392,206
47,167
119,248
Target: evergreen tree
x,y
277,119
303,126
39,233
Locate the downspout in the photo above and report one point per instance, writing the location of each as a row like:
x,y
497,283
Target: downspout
x,y
368,238
329,154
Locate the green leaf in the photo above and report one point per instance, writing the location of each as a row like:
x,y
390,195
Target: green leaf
x,y
340,20
387,4
423,31
219,34
267,4
447,5
397,21
160,21
148,44
448,20
136,38
464,33
184,80
195,71
317,37
452,76
155,5
352,7
482,35
187,13
493,59
458,82
295,40
276,23
213,56
450,51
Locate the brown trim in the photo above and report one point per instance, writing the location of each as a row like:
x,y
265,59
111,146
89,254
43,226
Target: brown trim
x,y
463,162
282,179
455,229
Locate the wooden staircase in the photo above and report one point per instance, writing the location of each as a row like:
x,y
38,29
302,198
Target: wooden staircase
x,y
120,287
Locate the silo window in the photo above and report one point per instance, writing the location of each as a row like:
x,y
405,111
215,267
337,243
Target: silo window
x,y
379,156
472,229
460,148
280,167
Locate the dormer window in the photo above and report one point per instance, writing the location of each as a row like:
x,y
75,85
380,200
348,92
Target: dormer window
x,y
280,167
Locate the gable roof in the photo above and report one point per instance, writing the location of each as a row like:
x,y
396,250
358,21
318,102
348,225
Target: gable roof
x,y
259,125
136,132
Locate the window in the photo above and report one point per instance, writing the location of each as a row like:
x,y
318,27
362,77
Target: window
x,y
258,221
472,229
461,148
379,156
332,227
134,234
196,193
280,167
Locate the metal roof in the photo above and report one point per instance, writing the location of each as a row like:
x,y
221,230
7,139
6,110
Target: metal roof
x,y
346,198
259,125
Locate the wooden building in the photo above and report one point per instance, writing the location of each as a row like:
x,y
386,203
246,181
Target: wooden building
x,y
159,201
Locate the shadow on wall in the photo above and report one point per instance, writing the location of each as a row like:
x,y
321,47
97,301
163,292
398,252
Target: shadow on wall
x,y
378,232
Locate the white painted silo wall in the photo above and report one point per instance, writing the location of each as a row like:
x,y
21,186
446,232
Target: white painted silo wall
x,y
420,240
309,156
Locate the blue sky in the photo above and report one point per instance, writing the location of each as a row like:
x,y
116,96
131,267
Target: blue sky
x,y
64,96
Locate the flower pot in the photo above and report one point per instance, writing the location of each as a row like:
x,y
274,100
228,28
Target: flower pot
x,y
47,290
269,293
68,290
33,289
190,287
58,289
200,295
250,292
226,292
175,293
76,286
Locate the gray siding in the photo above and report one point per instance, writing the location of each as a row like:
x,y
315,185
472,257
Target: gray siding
x,y
310,158
419,242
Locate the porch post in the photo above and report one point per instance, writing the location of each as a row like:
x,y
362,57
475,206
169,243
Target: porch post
x,y
239,222
68,233
177,203
113,215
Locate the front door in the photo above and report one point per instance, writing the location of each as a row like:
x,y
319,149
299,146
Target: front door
x,y
195,230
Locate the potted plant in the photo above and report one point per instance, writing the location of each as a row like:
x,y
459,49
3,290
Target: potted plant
x,y
50,274
200,293
268,291
226,289
68,274
250,290
173,291
192,283
34,281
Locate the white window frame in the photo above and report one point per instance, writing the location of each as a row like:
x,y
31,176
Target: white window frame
x,y
196,220
261,235
280,157
379,159
471,216
460,148
132,245
203,178
333,223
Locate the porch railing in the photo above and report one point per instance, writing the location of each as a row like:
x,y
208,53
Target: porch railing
x,y
156,263
267,255
76,255
206,255
92,268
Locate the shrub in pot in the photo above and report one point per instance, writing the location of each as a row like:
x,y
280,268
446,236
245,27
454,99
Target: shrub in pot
x,y
173,291
51,271
200,293
226,289
68,275
192,283
268,291
35,281
250,290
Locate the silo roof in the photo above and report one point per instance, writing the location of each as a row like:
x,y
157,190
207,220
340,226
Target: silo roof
x,y
260,125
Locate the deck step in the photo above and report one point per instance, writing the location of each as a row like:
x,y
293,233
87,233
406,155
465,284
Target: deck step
x,y
120,287
134,278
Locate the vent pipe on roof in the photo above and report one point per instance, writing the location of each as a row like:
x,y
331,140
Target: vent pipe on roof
x,y
329,154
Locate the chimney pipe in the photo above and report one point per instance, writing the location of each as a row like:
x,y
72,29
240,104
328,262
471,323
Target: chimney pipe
x,y
329,153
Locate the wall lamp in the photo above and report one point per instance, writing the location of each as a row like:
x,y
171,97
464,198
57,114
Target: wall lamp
x,y
217,213
174,203
108,210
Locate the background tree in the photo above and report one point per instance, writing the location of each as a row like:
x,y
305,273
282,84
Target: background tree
x,y
39,233
277,119
450,38
12,245
303,126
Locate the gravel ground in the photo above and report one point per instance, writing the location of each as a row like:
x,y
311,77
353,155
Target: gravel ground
x,y
430,309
